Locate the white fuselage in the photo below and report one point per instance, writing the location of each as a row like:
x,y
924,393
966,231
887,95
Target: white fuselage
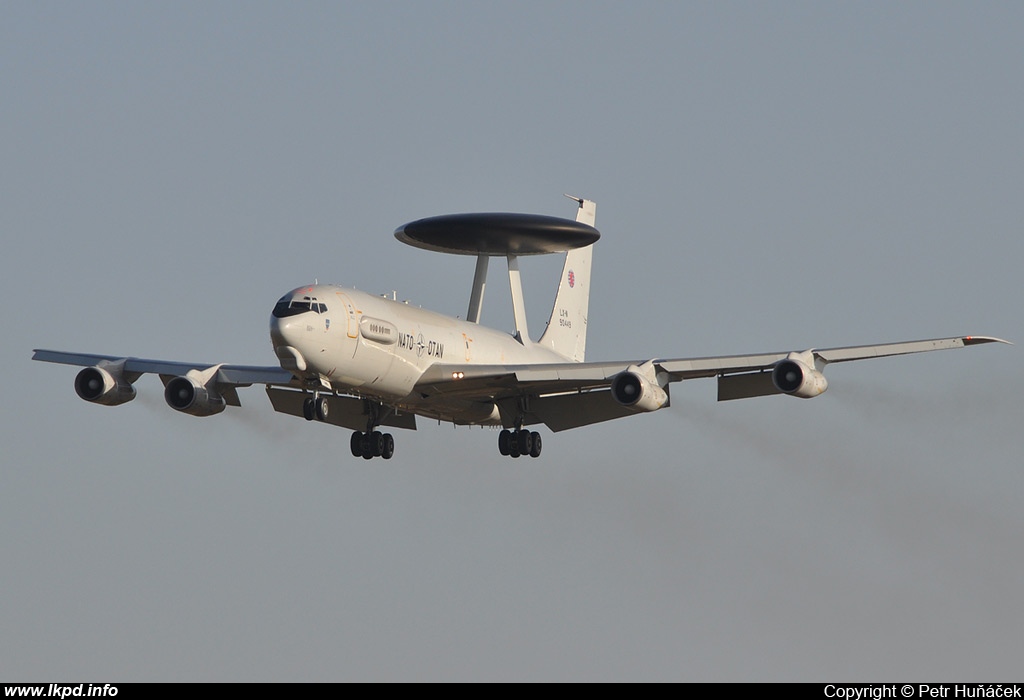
x,y
375,347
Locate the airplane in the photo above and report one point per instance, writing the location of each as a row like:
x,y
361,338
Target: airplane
x,y
361,361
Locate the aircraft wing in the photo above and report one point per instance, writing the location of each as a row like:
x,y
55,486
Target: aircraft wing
x,y
569,395
226,377
561,395
729,364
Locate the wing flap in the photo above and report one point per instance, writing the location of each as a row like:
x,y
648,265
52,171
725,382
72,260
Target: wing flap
x,y
502,381
345,411
566,411
711,366
745,386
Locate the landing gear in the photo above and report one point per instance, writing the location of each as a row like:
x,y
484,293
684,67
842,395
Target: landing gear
x,y
368,445
519,443
372,444
315,407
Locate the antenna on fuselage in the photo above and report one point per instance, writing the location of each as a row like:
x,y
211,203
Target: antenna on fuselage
x,y
495,235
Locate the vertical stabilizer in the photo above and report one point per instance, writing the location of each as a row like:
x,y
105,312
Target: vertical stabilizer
x,y
566,333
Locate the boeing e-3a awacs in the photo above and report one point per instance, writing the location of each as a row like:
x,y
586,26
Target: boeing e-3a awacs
x,y
362,361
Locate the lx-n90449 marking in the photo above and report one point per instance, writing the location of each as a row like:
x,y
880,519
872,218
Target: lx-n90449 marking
x,y
364,362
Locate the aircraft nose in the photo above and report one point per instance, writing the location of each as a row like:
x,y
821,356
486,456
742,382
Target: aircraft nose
x,y
285,334
284,331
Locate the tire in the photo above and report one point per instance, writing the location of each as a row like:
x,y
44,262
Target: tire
x,y
389,446
376,443
537,445
322,408
307,409
356,443
525,442
503,440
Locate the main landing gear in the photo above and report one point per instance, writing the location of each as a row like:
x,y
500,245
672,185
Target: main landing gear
x,y
518,443
372,443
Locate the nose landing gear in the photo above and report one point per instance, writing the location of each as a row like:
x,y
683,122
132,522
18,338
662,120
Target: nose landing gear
x,y
315,408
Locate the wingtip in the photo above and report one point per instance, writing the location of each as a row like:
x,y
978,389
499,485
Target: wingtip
x,y
981,339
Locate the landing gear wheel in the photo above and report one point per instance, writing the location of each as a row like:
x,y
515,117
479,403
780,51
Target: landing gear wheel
x,y
514,446
376,443
503,443
307,409
525,441
389,446
356,444
365,446
535,448
322,407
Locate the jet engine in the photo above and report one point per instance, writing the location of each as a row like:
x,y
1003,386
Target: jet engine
x,y
632,388
797,376
187,395
97,385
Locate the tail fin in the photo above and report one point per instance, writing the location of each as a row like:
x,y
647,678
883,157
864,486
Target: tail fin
x,y
566,333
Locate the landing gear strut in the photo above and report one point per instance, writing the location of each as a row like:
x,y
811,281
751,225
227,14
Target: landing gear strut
x,y
518,443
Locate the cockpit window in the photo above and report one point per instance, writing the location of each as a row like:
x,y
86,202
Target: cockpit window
x,y
283,309
294,307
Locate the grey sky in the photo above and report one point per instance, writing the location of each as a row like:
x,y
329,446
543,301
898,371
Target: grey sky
x,y
768,175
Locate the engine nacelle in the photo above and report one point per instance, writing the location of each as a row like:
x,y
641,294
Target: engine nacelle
x,y
631,388
189,396
795,377
97,385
